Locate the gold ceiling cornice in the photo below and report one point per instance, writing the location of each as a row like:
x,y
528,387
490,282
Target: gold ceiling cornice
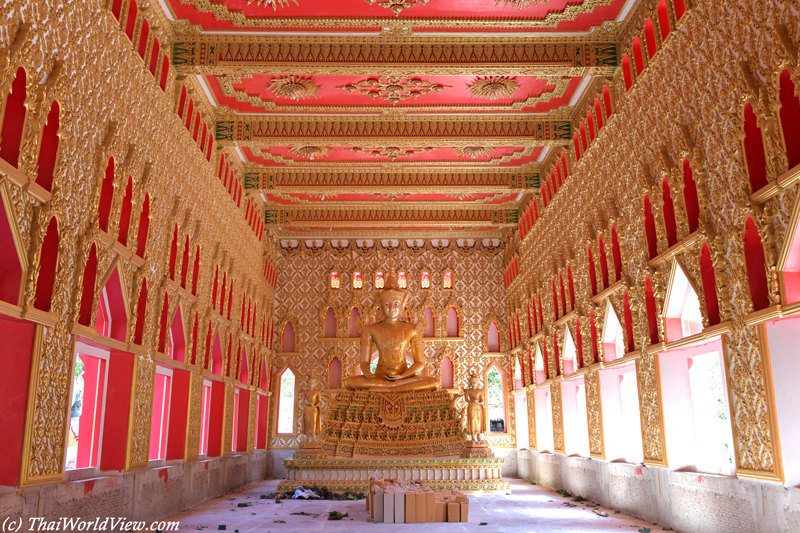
x,y
351,180
553,18
302,55
331,201
503,130
393,215
383,233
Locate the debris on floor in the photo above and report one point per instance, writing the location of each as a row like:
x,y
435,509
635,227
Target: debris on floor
x,y
489,512
305,494
315,492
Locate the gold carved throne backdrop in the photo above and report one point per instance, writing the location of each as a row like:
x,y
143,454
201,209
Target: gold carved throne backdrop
x,y
304,294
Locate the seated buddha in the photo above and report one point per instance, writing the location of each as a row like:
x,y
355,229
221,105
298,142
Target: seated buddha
x,y
392,336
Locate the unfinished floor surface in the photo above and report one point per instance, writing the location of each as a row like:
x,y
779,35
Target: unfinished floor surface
x,y
529,509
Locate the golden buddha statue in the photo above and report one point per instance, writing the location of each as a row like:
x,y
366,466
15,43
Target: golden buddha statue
x,y
392,336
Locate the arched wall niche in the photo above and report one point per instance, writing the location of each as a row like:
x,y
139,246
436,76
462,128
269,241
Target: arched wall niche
x,y
330,322
49,256
112,319
682,309
288,335
492,334
178,338
354,323
14,262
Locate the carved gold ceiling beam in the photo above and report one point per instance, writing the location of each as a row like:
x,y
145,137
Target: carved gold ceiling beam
x,y
290,232
382,130
391,216
374,56
380,233
346,180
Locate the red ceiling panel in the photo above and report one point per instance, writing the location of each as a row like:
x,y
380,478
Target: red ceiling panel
x,y
253,94
556,15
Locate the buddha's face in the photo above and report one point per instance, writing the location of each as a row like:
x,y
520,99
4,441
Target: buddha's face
x,y
391,306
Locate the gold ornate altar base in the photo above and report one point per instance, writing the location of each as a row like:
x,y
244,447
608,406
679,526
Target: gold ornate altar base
x,y
411,436
376,425
341,475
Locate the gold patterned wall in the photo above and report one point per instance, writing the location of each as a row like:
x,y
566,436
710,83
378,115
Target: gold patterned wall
x,y
303,298
687,103
113,107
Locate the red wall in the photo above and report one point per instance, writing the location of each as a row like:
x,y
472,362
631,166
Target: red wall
x,y
16,362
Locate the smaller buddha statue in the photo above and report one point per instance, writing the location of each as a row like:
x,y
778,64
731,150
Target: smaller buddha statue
x,y
312,419
475,396
392,336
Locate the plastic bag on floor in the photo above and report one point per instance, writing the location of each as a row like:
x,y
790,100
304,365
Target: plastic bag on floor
x,y
305,494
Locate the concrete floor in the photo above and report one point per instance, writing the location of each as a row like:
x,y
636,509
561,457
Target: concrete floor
x,y
528,509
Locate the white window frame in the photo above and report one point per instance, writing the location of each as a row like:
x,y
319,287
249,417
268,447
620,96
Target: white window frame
x,y
164,371
74,474
205,417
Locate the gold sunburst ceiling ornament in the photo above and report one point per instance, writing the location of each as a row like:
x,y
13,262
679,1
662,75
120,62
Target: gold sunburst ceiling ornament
x,y
519,4
393,89
274,3
391,152
310,152
293,87
473,152
398,5
494,87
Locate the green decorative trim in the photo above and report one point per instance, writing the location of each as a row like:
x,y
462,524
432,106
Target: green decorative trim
x,y
251,180
224,130
183,54
606,55
532,181
271,216
562,131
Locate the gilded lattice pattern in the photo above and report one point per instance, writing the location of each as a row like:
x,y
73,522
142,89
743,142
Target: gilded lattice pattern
x,y
477,295
558,421
594,413
531,421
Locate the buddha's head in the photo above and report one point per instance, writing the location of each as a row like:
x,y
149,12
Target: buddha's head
x,y
392,299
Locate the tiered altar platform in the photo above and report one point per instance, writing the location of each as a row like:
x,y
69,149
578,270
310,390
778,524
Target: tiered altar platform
x,y
412,436
341,475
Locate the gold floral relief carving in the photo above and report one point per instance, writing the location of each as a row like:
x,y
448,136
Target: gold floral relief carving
x,y
293,87
493,87
531,420
87,144
394,89
558,422
594,413
672,113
